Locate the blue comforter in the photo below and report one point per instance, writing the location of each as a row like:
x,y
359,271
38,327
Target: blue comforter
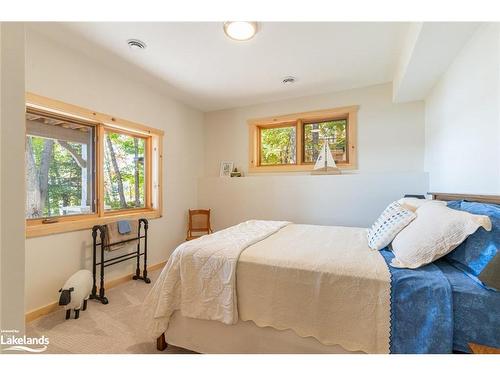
x,y
476,310
421,309
439,309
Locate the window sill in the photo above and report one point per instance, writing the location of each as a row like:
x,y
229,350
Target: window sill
x,y
82,223
293,168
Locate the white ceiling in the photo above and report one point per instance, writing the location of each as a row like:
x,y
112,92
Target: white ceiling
x,y
199,65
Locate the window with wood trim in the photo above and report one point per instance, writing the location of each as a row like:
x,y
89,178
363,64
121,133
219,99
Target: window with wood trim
x,y
335,131
60,165
85,168
293,142
277,145
124,176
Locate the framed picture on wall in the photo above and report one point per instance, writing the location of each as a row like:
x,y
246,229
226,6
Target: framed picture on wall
x,y
226,167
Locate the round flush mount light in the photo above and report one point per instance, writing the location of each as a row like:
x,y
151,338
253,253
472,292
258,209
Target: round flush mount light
x,y
289,80
240,30
136,44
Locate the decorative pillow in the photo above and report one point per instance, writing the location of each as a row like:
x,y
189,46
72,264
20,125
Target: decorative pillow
x,y
394,218
479,255
413,203
435,232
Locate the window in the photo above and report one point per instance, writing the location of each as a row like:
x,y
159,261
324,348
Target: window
x,y
336,133
277,145
124,185
85,168
59,161
293,142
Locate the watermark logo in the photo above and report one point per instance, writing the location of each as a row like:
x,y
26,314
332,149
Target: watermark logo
x,y
11,341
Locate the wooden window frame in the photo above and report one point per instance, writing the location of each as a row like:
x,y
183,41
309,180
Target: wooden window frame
x,y
299,120
101,123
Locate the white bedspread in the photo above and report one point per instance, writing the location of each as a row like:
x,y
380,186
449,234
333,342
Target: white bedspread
x,y
319,281
200,276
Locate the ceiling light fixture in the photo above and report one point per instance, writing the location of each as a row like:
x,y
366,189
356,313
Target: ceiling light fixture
x,y
240,30
136,44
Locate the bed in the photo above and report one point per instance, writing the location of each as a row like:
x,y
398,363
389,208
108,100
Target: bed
x,y
291,288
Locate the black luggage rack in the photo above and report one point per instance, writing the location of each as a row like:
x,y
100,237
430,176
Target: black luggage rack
x,y
118,259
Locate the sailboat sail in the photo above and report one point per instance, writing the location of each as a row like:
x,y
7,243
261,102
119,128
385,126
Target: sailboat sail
x,y
325,159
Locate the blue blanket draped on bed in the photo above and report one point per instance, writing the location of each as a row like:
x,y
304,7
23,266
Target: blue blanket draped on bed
x,y
476,310
421,309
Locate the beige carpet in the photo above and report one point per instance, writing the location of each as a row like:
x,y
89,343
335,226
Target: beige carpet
x,y
114,328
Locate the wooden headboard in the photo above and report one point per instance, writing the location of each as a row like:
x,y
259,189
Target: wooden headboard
x,y
468,197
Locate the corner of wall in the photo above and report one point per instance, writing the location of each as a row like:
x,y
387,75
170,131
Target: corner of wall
x,y
408,44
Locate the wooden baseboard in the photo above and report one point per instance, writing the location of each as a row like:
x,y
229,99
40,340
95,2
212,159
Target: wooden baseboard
x,y
51,307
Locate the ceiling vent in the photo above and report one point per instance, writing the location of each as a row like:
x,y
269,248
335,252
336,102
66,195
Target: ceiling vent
x,y
136,44
289,80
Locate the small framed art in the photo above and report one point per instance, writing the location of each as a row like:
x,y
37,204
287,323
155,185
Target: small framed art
x,y
226,167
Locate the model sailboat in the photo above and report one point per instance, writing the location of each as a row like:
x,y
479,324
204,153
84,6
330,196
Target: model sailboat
x,y
325,164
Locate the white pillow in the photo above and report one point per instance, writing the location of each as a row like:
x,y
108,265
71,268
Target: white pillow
x,y
394,218
413,203
435,232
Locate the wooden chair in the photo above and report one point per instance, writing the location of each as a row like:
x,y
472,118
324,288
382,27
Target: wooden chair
x,y
199,223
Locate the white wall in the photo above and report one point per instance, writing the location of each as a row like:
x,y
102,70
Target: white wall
x,y
348,200
462,130
60,73
12,182
390,161
390,136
